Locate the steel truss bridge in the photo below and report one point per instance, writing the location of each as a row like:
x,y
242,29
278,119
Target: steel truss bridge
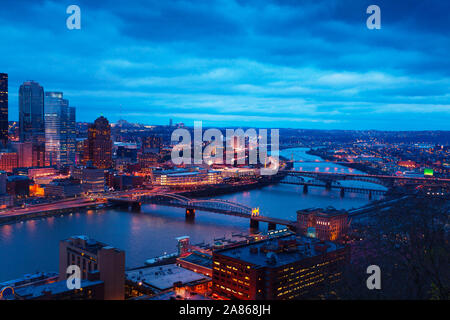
x,y
309,179
211,205
385,180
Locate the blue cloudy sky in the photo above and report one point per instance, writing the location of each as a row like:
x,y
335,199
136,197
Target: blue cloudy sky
x,y
261,63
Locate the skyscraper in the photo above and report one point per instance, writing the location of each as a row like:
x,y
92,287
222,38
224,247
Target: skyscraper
x,y
98,146
3,108
59,130
31,119
31,110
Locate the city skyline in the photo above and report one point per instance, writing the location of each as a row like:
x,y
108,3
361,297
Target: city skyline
x,y
317,66
229,152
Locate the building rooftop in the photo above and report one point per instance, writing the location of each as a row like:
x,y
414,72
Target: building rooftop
x,y
27,279
163,277
199,258
171,295
33,292
17,178
279,251
85,243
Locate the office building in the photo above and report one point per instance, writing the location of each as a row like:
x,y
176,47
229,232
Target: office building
x,y
3,109
18,186
64,188
31,111
92,179
31,119
60,134
281,268
98,145
24,152
6,200
180,179
91,255
151,144
8,160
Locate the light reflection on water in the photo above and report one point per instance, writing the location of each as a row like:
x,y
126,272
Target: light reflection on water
x,y
33,245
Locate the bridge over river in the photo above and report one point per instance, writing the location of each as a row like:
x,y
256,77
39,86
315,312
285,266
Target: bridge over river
x,y
212,205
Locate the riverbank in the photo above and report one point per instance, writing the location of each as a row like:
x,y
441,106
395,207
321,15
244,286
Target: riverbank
x,y
357,166
50,213
230,189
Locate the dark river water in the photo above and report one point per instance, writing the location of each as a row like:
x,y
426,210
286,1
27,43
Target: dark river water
x,y
32,245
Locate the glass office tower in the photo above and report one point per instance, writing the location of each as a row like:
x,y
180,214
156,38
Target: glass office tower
x,y
60,136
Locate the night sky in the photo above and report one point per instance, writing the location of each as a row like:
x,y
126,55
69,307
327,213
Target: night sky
x,y
260,63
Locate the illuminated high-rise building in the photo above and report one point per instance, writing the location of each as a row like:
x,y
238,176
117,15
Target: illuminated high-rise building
x,y
31,110
59,130
3,108
98,145
31,119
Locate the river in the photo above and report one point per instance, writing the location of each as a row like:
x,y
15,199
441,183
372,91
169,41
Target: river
x,y
32,245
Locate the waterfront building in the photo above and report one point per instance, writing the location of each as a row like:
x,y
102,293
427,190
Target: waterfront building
x,y
31,119
6,200
288,267
91,255
197,261
186,179
64,188
165,277
3,180
60,134
18,186
92,179
123,182
228,172
98,145
89,290
324,224
3,109
37,278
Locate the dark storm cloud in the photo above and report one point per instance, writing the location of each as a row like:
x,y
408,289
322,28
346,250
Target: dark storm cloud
x,y
261,63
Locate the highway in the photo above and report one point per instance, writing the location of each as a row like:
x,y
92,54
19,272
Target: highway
x,y
51,207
